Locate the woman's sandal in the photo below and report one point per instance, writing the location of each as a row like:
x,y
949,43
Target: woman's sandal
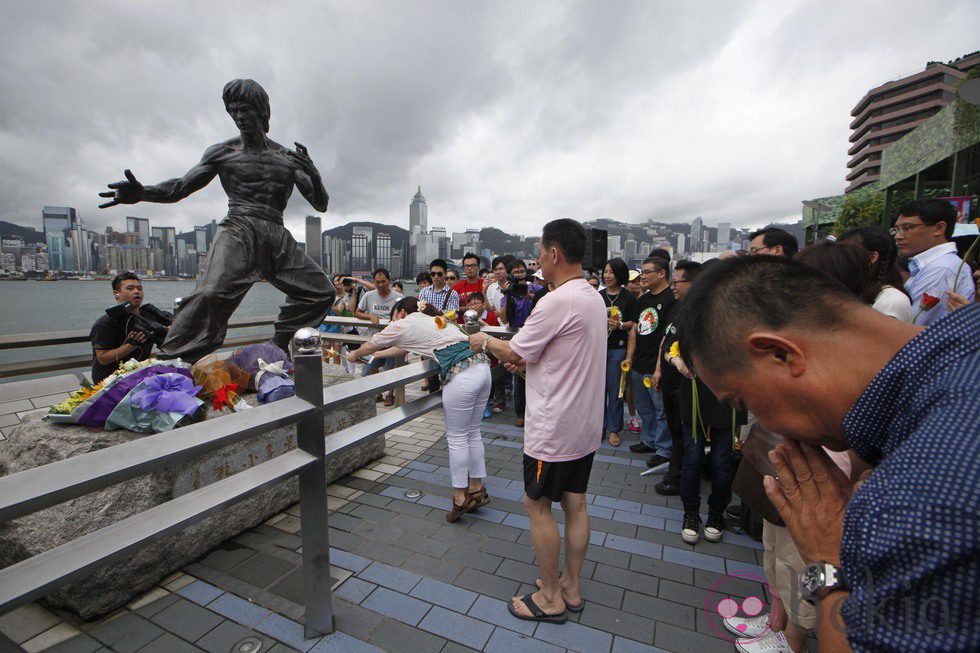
x,y
568,606
537,614
481,496
615,440
458,511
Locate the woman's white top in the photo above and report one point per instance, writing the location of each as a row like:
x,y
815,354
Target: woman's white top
x,y
893,302
419,334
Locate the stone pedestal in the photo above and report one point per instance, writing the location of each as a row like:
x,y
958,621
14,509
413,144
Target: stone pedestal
x,y
36,442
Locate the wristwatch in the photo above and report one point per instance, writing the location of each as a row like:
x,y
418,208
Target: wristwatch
x,y
819,579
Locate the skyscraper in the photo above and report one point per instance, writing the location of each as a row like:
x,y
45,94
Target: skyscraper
x,y
141,227
697,234
724,235
382,250
56,221
168,238
362,248
314,242
418,214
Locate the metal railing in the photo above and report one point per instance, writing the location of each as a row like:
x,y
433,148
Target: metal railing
x,y
35,489
78,336
54,364
32,490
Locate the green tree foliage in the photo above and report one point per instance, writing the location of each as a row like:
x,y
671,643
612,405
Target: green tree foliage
x,y
860,208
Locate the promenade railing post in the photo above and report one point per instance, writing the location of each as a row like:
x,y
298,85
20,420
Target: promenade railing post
x,y
312,485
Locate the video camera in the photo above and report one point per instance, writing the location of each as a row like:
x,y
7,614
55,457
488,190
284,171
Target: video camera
x,y
150,320
517,286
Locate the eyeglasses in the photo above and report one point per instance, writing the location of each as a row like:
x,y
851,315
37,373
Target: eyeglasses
x,y
756,250
674,282
471,265
437,274
905,228
451,277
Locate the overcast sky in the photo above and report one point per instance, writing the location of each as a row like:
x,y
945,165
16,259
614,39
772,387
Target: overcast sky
x,y
510,114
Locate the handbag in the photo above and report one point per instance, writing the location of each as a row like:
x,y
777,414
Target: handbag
x,y
754,466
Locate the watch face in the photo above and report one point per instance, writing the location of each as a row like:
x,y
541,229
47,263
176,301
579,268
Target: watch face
x,y
811,580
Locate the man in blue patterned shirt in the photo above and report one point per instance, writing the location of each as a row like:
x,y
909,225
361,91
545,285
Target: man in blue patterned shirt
x,y
439,294
896,557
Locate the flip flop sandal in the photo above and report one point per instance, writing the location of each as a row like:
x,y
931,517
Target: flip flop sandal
x,y
615,443
574,609
537,613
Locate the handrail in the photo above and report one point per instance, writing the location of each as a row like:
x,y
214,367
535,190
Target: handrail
x,y
21,340
32,490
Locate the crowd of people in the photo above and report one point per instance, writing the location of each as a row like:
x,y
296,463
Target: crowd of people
x,y
856,355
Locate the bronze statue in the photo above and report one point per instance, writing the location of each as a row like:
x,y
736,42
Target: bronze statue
x,y
258,175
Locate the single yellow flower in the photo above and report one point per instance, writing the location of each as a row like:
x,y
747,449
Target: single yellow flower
x,y
614,312
624,366
675,349
450,315
440,322
647,382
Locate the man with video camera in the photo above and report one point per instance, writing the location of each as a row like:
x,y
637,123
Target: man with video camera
x,y
124,332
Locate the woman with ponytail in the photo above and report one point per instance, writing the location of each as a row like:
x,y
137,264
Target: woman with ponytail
x,y
418,328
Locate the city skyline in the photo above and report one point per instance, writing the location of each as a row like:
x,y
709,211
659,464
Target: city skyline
x,y
506,117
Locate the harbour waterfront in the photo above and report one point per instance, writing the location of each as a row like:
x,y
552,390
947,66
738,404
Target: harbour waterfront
x,y
41,306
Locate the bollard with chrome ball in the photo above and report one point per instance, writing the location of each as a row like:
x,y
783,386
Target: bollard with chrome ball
x,y
177,302
305,341
470,321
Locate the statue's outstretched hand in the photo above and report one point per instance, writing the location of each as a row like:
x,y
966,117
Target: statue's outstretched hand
x,y
128,191
302,158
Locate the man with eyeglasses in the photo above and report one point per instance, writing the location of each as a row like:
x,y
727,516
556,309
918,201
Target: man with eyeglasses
x,y
649,318
922,234
471,284
773,241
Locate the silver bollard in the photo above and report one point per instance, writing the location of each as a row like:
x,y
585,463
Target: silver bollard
x,y
306,351
471,322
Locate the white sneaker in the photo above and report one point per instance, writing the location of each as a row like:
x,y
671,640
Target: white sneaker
x,y
771,643
752,627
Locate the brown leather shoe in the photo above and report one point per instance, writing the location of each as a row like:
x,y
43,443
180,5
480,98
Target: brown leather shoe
x,y
458,511
481,497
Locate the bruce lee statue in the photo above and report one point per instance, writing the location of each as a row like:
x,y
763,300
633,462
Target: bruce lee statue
x,y
258,176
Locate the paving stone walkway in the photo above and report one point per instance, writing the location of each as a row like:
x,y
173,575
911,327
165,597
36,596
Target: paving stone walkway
x,y
406,580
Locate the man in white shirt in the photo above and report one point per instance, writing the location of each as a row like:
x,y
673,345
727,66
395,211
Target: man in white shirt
x,y
376,305
922,233
494,291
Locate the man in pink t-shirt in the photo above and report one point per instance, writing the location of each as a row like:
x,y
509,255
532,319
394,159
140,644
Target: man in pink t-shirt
x,y
562,347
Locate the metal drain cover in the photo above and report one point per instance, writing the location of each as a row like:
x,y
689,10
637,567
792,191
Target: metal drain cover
x,y
247,645
412,494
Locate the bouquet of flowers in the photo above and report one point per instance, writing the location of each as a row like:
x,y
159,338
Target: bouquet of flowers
x,y
221,381
91,404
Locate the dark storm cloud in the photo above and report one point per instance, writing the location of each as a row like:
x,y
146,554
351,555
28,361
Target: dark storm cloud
x,y
509,113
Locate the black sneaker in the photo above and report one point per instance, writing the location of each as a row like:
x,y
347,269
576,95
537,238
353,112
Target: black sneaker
x,y
640,447
666,488
656,461
714,527
691,529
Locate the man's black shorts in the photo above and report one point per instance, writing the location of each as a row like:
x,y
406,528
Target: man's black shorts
x,y
544,479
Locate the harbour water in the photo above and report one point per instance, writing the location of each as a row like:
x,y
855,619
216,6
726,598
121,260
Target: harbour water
x,y
41,306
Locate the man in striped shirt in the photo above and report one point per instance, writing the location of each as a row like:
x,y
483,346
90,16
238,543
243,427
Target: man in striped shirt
x,y
439,295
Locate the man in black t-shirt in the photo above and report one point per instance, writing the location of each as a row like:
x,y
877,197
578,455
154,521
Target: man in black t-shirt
x,y
671,383
649,317
116,341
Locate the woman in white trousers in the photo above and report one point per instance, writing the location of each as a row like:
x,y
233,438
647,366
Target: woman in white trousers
x,y
417,328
